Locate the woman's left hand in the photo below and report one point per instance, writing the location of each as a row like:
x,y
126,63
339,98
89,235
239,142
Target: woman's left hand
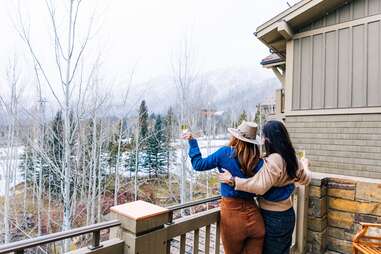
x,y
224,177
187,136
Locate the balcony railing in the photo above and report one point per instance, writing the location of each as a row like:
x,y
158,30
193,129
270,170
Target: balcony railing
x,y
156,232
20,246
203,228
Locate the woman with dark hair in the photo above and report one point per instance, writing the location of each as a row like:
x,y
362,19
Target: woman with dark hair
x,y
242,227
281,168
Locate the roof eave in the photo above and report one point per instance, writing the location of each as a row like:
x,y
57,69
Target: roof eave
x,y
295,16
285,16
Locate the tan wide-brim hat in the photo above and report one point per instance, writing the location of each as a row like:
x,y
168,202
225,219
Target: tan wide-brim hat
x,y
247,131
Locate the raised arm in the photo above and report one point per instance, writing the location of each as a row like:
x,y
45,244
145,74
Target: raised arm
x,y
199,163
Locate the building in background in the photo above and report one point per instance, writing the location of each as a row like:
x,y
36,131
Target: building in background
x,y
213,122
267,108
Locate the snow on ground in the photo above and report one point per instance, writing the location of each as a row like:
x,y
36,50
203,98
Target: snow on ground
x,y
214,145
17,178
206,146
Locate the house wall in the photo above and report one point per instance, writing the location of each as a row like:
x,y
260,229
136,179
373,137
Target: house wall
x,y
338,66
339,144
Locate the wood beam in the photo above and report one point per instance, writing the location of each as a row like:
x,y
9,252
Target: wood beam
x,y
279,75
285,30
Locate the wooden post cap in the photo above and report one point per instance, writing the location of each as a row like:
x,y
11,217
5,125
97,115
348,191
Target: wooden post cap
x,y
140,216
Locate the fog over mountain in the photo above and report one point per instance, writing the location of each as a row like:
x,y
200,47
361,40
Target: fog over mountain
x,y
229,90
232,90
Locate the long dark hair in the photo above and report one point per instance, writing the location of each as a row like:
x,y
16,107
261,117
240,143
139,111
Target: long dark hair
x,y
247,155
278,141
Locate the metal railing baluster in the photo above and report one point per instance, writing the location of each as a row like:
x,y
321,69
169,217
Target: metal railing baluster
x,y
96,240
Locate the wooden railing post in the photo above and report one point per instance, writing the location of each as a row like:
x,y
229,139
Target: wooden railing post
x,y
301,219
142,226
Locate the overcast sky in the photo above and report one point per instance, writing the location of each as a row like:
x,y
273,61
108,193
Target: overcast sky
x,y
145,33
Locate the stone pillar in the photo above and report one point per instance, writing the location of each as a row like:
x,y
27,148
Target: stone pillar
x,y
142,227
317,217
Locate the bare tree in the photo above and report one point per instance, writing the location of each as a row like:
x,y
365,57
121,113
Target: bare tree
x,y
121,133
11,107
69,45
184,76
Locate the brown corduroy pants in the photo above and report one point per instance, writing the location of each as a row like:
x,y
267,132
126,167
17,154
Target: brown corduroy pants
x,y
242,226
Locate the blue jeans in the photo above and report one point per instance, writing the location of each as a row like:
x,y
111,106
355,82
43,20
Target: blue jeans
x,y
279,228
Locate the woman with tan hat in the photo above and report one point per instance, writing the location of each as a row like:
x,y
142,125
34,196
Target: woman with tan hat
x,y
281,168
242,226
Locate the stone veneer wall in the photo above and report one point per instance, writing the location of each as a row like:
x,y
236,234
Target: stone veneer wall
x,y
336,206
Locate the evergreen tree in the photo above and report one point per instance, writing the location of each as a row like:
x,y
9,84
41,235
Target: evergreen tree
x,y
156,155
130,163
128,150
143,120
170,122
54,150
48,158
55,141
143,136
114,143
27,164
242,117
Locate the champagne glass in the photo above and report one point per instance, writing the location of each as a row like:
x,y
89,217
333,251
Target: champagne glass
x,y
301,154
195,134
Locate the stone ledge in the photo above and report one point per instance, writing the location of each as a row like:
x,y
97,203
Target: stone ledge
x,y
323,176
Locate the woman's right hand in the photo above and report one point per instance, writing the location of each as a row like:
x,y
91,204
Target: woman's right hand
x,y
304,175
187,136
